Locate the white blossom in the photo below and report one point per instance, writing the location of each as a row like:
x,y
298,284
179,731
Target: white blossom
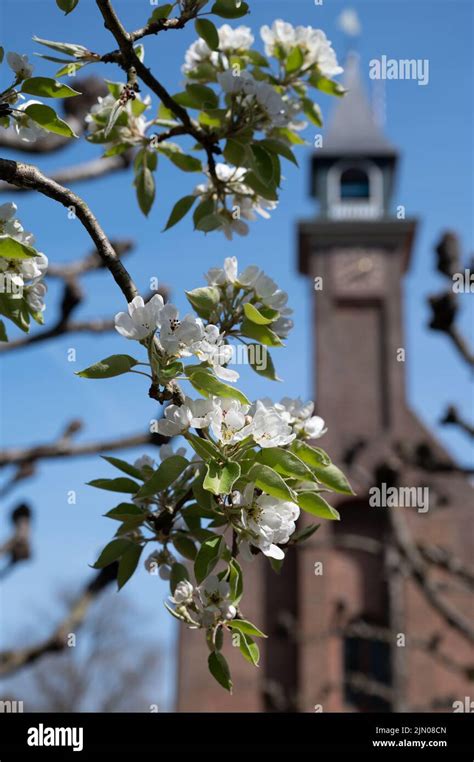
x,y
144,460
132,132
230,41
167,451
26,128
267,427
142,319
282,327
160,560
227,420
211,349
179,337
315,46
179,418
11,226
34,268
300,417
35,297
20,65
212,601
183,593
267,521
244,202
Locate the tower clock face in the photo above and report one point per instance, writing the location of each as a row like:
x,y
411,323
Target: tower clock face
x,y
358,272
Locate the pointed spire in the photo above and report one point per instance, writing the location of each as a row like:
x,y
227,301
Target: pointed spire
x,y
353,128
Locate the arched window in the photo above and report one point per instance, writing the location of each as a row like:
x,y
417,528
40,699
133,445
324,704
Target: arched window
x,y
355,184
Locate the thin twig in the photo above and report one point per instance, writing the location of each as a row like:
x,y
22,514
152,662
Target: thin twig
x,y
28,176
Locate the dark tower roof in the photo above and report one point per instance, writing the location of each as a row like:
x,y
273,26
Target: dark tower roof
x,y
352,129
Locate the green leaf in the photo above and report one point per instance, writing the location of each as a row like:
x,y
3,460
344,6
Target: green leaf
x,y
208,32
15,310
264,189
204,300
128,563
303,534
269,481
236,581
3,331
116,485
207,557
114,550
203,447
122,465
255,316
220,479
332,477
295,60
285,463
278,147
249,649
230,9
202,97
257,58
125,511
178,574
262,164
262,364
180,209
324,471
71,68
47,118
10,248
312,111
261,333
185,162
47,88
219,669
202,496
313,503
209,223
167,473
235,152
67,5
243,625
185,546
206,383
313,456
203,209
145,188
69,48
328,86
111,366
162,12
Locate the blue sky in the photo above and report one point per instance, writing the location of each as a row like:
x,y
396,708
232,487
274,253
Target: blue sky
x,y
432,126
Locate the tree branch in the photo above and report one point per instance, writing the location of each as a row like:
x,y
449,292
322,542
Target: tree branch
x,y
452,416
12,661
61,449
418,572
88,170
89,263
94,326
128,59
27,176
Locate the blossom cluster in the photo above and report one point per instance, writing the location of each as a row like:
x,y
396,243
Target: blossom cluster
x,y
171,338
21,278
245,474
205,605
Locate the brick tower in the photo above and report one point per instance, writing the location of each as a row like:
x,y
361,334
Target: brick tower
x,y
359,618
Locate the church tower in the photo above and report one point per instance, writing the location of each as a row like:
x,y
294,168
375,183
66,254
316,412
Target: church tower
x,y
351,617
